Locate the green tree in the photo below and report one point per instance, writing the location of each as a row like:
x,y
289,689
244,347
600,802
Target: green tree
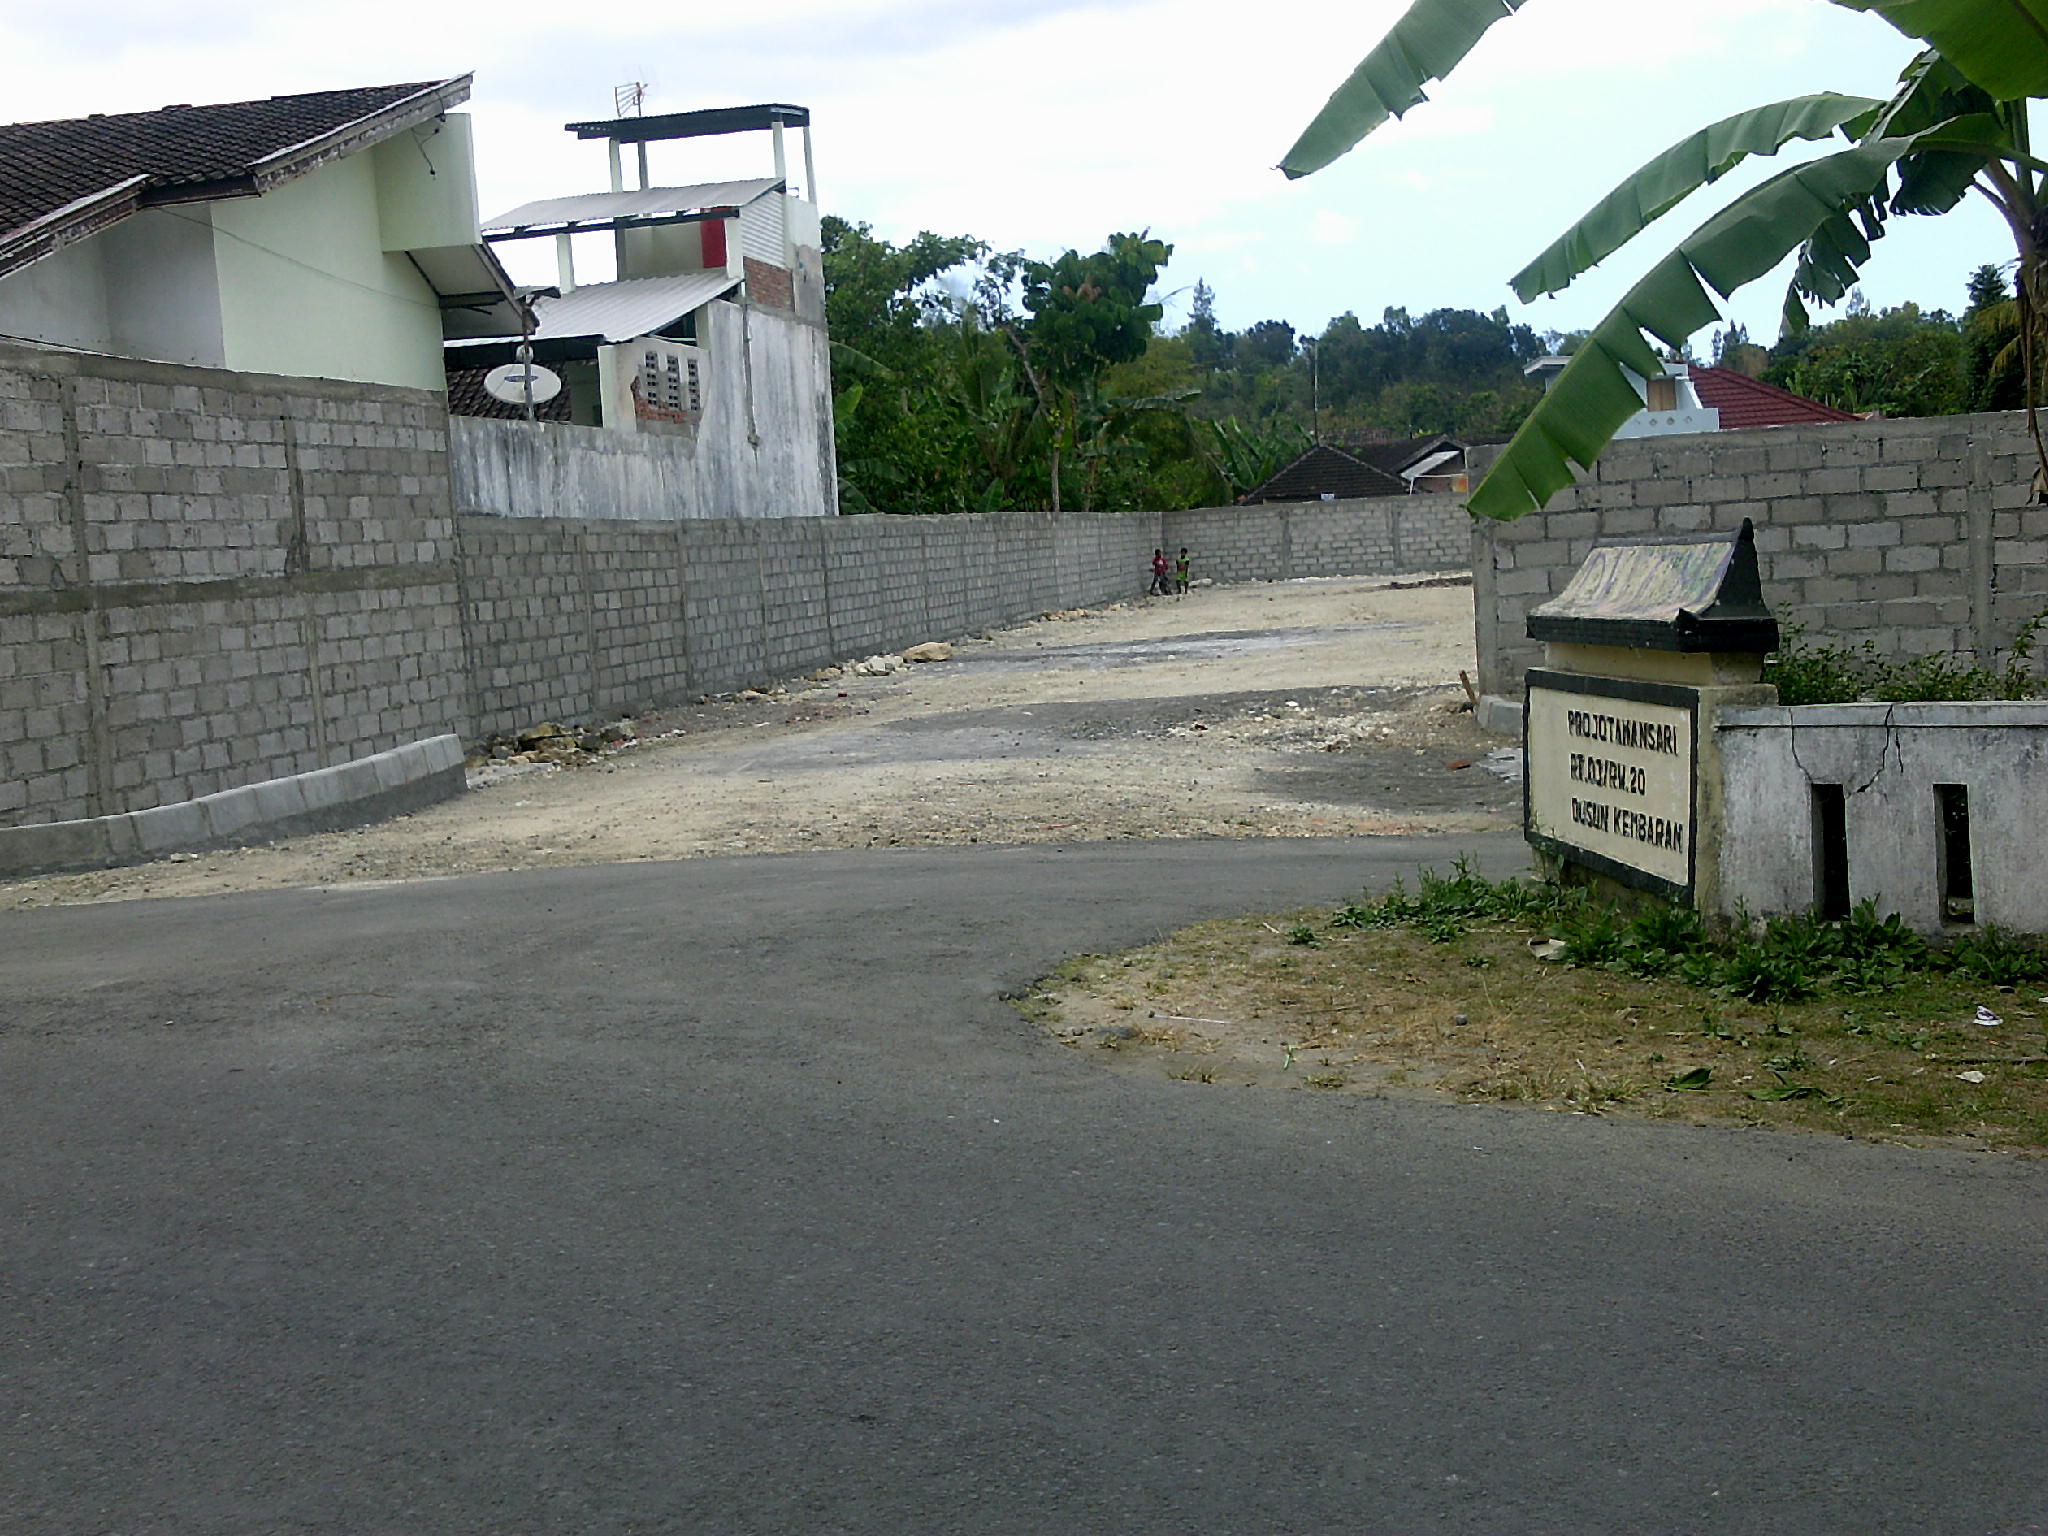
x,y
1087,313
1900,362
971,380
1991,331
1208,344
1958,122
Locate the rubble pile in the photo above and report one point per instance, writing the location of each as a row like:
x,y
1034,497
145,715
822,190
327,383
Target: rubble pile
x,y
551,744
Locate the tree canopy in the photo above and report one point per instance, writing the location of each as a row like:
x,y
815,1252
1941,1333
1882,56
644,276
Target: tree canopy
x,y
1957,123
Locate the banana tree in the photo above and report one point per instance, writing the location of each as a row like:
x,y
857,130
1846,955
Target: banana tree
x,y
1957,124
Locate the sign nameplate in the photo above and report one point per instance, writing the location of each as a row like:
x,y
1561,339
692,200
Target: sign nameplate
x,y
1609,776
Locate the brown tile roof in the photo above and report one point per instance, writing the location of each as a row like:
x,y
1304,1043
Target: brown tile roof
x,y
466,397
1745,402
1326,469
65,179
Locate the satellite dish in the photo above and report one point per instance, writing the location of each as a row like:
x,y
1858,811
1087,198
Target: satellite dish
x,y
510,382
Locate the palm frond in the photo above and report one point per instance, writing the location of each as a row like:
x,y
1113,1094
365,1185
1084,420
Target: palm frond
x,y
1425,45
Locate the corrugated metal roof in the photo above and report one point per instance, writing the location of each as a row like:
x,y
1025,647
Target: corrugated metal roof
x,y
694,125
636,306
600,208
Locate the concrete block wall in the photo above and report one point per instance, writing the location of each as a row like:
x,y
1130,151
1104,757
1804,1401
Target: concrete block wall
x,y
1891,756
795,605
211,579
1283,540
575,618
1919,535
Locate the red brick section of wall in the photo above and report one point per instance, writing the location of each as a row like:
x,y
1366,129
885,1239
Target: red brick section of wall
x,y
646,412
770,285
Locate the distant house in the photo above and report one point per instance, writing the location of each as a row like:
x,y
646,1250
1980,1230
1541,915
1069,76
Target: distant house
x,y
711,328
1334,471
1423,464
1742,402
1325,473
327,235
1690,398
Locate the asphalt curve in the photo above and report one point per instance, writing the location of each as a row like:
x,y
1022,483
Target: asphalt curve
x,y
728,1196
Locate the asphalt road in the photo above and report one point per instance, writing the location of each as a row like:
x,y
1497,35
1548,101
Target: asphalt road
x,y
728,1196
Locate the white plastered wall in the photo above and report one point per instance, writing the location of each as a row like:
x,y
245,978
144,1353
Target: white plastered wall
x,y
307,288
309,280
144,288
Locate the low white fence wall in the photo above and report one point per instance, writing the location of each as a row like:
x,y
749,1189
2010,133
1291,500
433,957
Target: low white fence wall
x,y
1935,811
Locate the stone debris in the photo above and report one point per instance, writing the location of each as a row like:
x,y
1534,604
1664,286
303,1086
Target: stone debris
x,y
876,666
1504,763
1327,725
931,650
548,744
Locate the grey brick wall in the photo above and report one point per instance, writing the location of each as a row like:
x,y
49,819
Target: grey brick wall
x,y
212,579
1917,535
1282,540
573,618
209,579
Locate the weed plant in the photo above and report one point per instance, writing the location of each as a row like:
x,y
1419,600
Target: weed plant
x,y
1805,673
1785,960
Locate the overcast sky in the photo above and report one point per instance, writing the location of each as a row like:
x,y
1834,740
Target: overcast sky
x,y
1045,124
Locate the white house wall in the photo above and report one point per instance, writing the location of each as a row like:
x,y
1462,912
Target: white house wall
x,y
517,469
61,299
767,443
144,288
308,280
761,230
426,191
307,289
162,301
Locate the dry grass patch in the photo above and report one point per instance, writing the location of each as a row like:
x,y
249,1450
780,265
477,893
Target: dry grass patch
x,y
1458,1005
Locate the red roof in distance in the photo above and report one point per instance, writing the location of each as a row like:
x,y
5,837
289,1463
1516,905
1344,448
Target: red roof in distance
x,y
1745,402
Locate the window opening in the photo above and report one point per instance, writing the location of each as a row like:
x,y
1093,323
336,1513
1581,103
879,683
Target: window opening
x,y
1830,850
1952,817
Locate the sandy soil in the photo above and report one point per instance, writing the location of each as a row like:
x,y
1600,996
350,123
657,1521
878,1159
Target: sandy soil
x,y
1328,707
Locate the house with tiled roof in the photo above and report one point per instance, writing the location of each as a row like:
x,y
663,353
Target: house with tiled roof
x,y
1688,397
1325,472
1743,403
331,234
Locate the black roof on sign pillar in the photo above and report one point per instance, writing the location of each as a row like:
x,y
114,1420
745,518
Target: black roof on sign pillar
x,y
1694,592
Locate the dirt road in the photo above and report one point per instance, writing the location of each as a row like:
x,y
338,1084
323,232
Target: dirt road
x,y
1310,708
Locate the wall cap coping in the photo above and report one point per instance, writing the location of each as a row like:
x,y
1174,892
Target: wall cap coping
x,y
1871,714
325,799
61,361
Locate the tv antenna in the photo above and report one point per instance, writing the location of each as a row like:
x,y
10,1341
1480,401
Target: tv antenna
x,y
630,99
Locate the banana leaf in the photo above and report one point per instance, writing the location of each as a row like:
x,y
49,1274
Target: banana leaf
x,y
1693,162
1426,44
1590,400
1999,45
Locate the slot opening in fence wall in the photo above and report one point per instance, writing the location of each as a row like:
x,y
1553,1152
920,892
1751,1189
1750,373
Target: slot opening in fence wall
x,y
1830,850
1952,816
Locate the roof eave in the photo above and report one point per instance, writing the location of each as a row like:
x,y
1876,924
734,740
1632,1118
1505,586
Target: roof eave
x,y
101,210
371,128
75,221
